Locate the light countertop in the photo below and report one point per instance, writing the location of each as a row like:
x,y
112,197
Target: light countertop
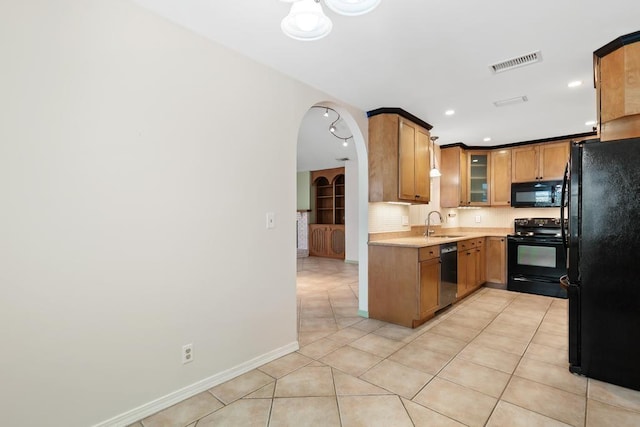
x,y
421,241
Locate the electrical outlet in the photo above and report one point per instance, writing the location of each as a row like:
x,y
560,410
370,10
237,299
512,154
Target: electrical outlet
x,y
478,218
405,220
187,353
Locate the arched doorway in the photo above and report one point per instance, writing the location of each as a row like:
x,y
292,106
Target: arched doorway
x,y
356,221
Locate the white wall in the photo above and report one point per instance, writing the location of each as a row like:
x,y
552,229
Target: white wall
x,y
137,162
351,220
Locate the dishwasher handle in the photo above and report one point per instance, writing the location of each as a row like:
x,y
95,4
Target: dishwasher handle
x,y
446,249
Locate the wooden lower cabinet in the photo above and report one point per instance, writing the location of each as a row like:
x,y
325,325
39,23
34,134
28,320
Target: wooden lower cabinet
x,y
471,266
404,284
327,240
497,260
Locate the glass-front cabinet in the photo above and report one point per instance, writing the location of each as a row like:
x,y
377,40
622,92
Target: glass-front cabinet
x,y
478,173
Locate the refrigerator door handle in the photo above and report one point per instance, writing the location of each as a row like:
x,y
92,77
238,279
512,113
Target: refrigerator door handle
x,y
563,203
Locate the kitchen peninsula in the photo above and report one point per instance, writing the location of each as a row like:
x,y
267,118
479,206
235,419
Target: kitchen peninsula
x,y
405,271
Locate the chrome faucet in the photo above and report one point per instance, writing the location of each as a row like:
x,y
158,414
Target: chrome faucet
x,y
427,223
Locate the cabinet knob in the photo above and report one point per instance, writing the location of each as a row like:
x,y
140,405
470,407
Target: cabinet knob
x,y
502,240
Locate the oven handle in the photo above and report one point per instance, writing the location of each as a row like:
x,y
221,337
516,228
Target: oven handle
x,y
521,279
530,239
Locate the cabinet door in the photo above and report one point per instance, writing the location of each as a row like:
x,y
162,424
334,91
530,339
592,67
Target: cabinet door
x,y
335,242
462,273
406,161
501,178
472,270
422,166
553,158
478,182
467,274
497,260
481,271
317,241
524,166
429,286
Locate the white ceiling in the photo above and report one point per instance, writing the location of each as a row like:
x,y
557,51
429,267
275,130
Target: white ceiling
x,y
427,56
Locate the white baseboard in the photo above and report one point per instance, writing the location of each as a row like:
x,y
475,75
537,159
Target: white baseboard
x,y
170,399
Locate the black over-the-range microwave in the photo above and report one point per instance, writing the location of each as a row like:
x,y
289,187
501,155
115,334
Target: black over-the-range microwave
x,y
538,194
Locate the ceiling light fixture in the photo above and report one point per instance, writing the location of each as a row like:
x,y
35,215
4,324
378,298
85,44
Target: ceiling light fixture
x,y
575,83
590,123
332,126
434,172
449,112
307,21
352,7
486,139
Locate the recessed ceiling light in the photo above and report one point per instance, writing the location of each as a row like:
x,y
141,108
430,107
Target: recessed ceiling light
x,y
449,112
590,123
487,139
575,83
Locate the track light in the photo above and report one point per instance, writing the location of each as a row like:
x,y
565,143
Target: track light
x,y
332,127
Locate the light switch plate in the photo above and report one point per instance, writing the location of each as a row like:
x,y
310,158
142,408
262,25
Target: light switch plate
x,y
405,220
271,220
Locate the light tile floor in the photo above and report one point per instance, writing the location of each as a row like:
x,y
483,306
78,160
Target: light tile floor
x,y
498,358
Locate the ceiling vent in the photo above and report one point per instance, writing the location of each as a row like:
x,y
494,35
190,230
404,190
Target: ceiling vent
x,y
520,61
511,101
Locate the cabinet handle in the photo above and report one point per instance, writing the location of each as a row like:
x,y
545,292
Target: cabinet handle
x,y
502,240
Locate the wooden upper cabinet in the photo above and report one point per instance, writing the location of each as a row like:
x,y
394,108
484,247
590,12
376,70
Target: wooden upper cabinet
x,y
617,77
453,182
398,160
500,182
553,159
539,162
413,168
478,178
465,178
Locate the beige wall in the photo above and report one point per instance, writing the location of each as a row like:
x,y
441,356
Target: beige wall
x,y
137,163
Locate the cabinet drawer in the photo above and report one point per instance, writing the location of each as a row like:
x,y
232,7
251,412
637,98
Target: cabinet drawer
x,y
466,244
429,252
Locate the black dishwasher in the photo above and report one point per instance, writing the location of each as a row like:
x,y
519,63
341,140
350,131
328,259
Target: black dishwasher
x,y
448,273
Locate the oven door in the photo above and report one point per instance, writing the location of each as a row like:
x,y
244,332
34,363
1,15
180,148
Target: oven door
x,y
535,265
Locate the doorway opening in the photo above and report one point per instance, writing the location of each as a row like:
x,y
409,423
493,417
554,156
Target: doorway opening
x,y
332,182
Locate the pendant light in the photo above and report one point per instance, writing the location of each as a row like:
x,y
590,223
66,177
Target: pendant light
x,y
306,21
352,7
434,172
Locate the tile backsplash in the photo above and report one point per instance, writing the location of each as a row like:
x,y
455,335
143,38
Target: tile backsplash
x,y
386,217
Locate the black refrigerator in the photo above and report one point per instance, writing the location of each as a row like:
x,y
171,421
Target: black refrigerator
x,y
603,279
